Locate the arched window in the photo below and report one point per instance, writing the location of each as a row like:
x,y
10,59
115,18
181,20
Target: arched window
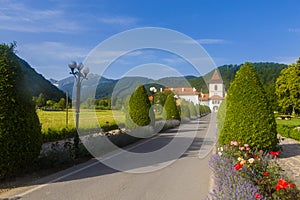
x,y
216,87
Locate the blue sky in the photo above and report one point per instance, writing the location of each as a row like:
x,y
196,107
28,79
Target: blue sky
x,y
50,33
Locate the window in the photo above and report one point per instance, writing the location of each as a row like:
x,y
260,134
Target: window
x,y
216,87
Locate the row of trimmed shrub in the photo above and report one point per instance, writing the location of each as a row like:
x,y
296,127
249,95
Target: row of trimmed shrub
x,y
60,134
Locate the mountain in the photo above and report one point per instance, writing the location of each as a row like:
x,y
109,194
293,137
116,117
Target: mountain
x,y
268,73
37,84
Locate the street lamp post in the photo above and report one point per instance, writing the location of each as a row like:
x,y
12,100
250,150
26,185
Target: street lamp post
x,y
79,72
153,90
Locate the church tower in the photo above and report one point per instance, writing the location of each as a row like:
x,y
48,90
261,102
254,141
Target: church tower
x,y
216,91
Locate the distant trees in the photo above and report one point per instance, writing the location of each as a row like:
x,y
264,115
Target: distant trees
x,y
20,129
249,118
288,89
41,103
267,72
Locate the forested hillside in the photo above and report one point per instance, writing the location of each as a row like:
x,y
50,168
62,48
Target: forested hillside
x,y
36,83
268,73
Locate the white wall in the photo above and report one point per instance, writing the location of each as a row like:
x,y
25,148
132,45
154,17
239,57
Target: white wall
x,y
192,98
219,91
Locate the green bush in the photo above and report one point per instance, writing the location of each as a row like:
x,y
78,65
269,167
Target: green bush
x,y
185,111
221,116
170,107
139,112
249,118
20,130
203,110
54,135
192,109
288,131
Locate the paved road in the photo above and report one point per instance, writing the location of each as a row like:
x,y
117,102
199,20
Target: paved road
x,y
187,178
289,159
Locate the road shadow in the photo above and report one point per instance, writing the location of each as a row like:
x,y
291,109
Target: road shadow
x,y
289,150
95,168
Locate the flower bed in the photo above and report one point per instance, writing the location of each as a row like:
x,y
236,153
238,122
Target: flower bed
x,y
240,173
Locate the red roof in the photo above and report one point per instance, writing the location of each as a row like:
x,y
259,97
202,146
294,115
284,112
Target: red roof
x,y
205,97
183,91
216,77
216,97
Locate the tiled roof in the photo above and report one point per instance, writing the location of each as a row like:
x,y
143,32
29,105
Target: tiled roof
x,y
183,91
205,97
216,77
216,97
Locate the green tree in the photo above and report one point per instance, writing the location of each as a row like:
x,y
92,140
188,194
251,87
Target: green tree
x,y
50,103
139,112
20,130
288,88
221,116
185,111
40,101
170,107
249,117
61,104
192,109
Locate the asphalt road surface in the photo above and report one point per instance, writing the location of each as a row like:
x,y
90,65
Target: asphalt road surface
x,y
187,177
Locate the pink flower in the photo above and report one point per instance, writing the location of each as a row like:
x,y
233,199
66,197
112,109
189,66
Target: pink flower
x,y
234,143
247,148
246,145
243,162
241,148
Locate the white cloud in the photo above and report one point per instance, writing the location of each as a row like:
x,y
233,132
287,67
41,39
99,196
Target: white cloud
x,y
19,17
51,58
118,20
204,41
294,30
286,59
55,50
212,41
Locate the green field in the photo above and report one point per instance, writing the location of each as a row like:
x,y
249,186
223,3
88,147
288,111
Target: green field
x,y
295,121
57,119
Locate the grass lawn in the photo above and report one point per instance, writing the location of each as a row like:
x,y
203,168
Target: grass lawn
x,y
57,119
295,121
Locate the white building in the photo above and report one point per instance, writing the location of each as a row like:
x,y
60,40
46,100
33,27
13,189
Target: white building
x,y
213,99
189,94
216,91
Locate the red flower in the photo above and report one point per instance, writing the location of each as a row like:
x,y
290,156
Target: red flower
x,y
278,187
257,196
291,185
283,183
255,156
274,153
238,166
266,173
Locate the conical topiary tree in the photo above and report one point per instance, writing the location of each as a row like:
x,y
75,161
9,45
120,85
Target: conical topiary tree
x,y
170,107
192,109
249,118
20,130
185,111
139,111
